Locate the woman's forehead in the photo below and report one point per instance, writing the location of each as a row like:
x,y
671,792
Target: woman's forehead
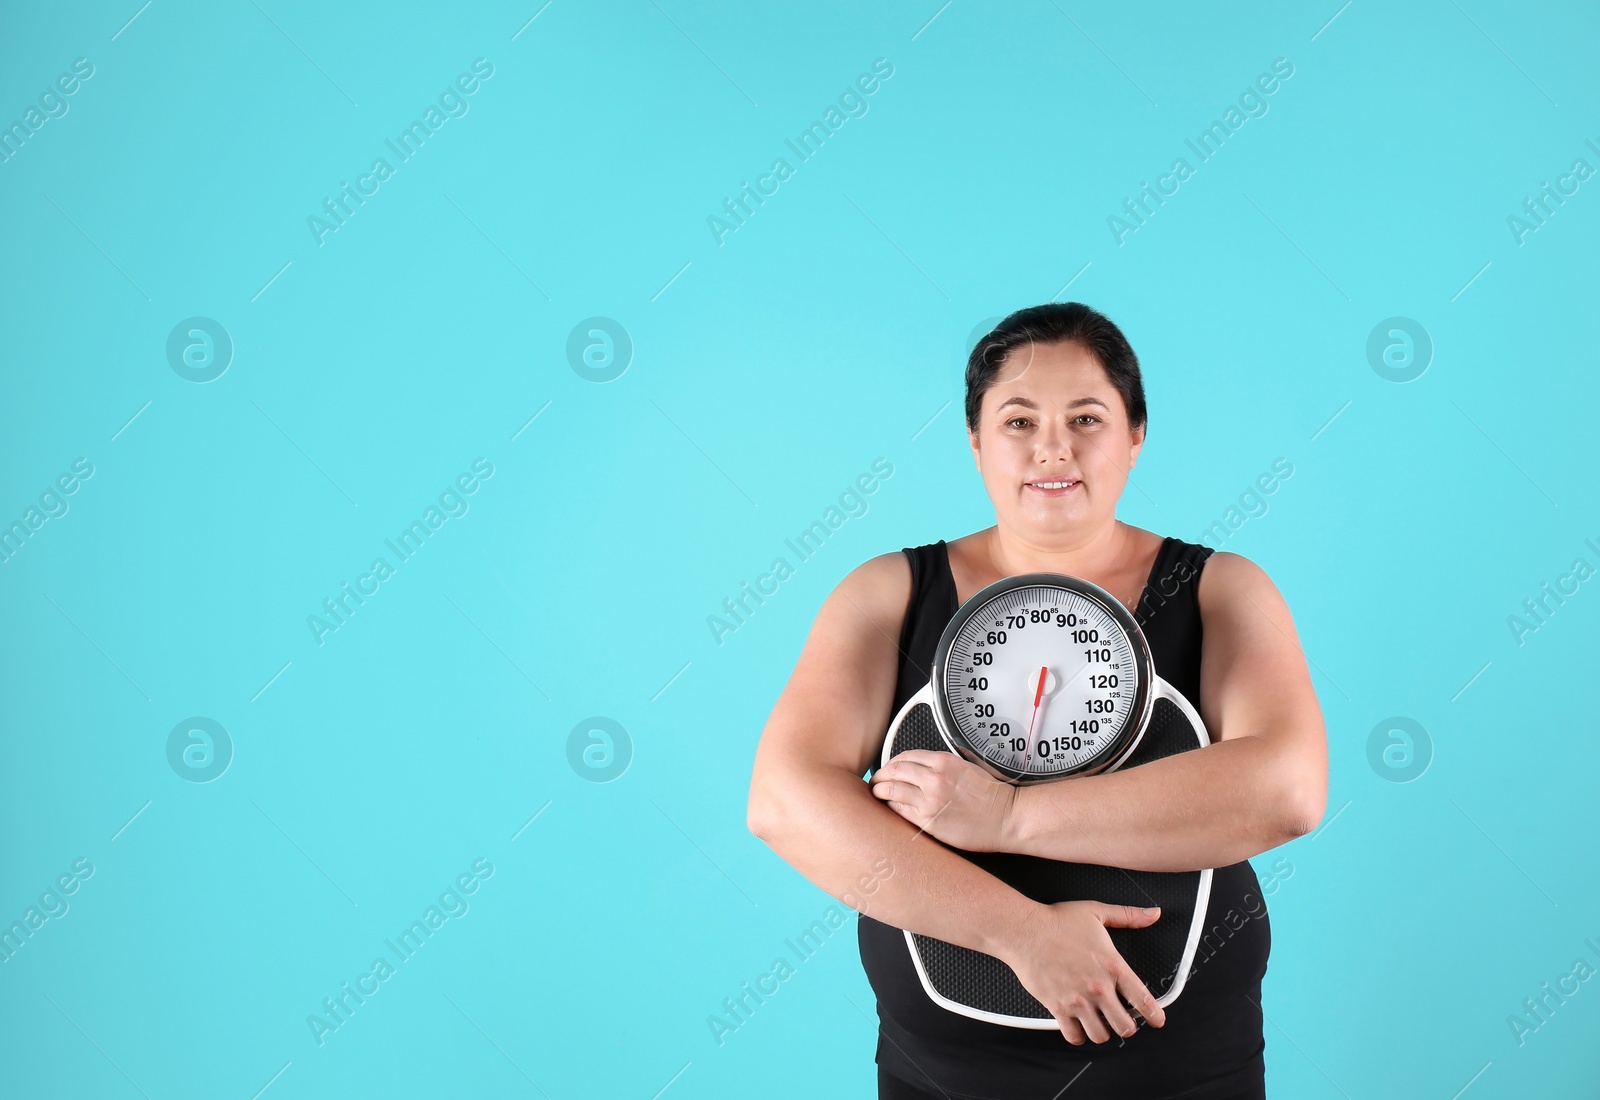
x,y
1051,369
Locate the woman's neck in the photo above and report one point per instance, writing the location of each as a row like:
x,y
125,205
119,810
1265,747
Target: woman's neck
x,y
1078,554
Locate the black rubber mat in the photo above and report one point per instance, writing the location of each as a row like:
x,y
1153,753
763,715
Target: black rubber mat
x,y
982,981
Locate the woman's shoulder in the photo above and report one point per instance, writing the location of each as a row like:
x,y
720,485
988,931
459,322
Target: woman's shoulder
x,y
1197,552
880,587
1230,580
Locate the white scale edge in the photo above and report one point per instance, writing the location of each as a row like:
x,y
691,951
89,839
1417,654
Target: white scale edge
x,y
1163,690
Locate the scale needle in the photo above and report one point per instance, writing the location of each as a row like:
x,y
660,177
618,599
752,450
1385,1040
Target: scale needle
x,y
1038,694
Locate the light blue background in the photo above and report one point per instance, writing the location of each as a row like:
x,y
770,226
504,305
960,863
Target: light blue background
x,y
767,373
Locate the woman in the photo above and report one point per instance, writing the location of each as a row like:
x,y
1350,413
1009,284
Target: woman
x,y
1056,418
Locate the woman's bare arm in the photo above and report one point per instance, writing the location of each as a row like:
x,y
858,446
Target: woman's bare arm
x,y
1262,782
807,798
808,802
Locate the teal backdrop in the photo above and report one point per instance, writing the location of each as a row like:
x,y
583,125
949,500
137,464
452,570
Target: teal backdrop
x,y
518,302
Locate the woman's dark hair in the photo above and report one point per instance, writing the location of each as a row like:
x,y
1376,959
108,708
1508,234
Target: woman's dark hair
x,y
1057,322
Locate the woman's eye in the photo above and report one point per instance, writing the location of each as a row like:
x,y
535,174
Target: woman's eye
x,y
1017,420
1088,417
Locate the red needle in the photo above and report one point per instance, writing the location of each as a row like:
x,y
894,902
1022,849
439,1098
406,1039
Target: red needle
x,y
1037,695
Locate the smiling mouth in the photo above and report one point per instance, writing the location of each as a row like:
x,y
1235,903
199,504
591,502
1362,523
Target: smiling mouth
x,y
1054,488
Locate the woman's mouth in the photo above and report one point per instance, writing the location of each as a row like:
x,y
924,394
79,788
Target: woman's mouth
x,y
1055,488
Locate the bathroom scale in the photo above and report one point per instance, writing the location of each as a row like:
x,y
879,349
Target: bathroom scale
x,y
1040,678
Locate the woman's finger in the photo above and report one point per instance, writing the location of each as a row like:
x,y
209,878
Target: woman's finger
x,y
915,758
1140,997
896,789
1093,1026
1072,1031
1116,1015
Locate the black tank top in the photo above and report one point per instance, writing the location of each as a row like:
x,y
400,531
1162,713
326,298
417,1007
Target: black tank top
x,y
1212,1041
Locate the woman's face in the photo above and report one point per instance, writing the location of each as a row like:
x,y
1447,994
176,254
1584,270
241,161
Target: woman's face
x,y
1052,416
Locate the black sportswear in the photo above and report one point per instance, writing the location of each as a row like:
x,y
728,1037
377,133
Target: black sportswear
x,y
1211,1047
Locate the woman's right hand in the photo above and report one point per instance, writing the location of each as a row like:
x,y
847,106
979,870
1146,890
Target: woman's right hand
x,y
1064,957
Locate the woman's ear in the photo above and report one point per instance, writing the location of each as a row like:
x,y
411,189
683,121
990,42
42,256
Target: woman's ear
x,y
1138,444
972,441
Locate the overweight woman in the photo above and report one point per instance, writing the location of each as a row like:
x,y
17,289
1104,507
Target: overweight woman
x,y
1056,420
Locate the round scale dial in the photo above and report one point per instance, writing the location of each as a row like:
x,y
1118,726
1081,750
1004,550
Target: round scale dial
x,y
1042,676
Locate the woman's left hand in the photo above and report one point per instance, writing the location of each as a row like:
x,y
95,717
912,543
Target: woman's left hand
x,y
949,798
